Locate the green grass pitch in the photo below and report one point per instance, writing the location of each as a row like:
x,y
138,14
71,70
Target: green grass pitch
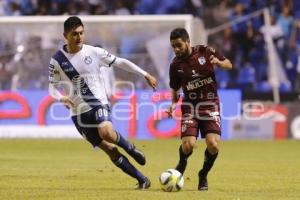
x,y
70,169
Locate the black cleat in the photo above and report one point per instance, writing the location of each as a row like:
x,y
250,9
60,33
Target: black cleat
x,y
181,166
143,185
137,155
202,185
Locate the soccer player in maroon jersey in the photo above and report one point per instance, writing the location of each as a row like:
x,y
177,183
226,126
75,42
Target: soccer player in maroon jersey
x,y
192,69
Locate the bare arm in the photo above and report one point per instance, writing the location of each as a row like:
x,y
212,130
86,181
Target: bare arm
x,y
175,96
175,99
224,64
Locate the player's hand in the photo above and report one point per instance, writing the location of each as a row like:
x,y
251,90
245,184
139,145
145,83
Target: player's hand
x,y
67,102
214,60
151,81
170,110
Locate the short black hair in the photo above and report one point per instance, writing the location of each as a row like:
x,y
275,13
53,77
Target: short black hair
x,y
71,23
179,33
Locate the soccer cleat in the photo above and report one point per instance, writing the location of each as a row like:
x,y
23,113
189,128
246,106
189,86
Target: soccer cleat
x,y
137,155
202,185
143,184
181,166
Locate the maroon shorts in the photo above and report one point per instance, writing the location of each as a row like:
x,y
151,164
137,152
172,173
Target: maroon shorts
x,y
205,122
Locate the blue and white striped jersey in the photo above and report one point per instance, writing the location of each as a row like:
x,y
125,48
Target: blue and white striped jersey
x,y
79,76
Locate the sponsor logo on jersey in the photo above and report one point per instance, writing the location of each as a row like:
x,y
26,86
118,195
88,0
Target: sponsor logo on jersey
x,y
64,64
70,69
66,67
88,60
201,60
194,74
198,83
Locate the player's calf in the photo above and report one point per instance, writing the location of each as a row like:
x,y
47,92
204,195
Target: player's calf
x,y
137,155
181,166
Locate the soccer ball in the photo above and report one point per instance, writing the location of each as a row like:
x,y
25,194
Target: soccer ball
x,y
171,180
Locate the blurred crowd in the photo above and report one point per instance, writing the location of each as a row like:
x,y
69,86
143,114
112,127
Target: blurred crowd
x,y
241,42
244,42
98,7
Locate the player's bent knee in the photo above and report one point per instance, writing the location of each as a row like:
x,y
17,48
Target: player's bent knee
x,y
188,147
213,146
105,133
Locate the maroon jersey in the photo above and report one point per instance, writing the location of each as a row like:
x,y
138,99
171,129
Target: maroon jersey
x,y
195,75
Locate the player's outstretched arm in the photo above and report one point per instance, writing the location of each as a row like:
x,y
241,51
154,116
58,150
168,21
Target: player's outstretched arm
x,y
131,67
151,80
224,64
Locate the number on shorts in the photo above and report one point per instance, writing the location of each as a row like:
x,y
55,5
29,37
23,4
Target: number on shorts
x,y
102,113
217,119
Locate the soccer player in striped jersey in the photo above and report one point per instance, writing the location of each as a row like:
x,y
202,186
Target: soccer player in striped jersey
x,y
75,69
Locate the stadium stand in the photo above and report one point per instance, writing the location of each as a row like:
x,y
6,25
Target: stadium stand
x,y
243,42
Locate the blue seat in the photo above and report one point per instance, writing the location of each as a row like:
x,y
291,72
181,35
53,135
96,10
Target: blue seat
x,y
263,86
246,75
285,87
246,78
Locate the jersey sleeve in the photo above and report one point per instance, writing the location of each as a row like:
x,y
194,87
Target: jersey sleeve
x,y
54,75
215,53
175,79
107,58
127,65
